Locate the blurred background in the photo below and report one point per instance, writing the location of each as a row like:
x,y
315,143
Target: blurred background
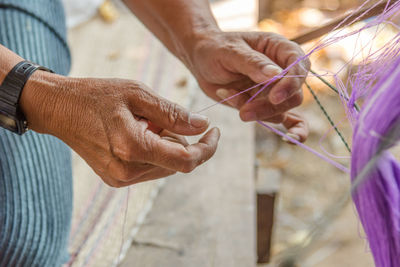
x,y
211,217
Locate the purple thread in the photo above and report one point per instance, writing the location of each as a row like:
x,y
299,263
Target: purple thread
x,y
327,159
378,199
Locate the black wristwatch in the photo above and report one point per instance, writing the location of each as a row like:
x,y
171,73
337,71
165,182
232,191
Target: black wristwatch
x,y
11,115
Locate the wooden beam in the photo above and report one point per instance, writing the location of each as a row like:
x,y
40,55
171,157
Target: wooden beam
x,y
318,32
267,187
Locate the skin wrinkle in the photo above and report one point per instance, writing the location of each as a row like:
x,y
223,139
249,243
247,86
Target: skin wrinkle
x,y
230,70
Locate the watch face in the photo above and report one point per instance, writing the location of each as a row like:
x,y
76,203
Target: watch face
x,y
8,123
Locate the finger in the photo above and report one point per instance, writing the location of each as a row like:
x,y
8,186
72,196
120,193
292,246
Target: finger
x,y
290,85
277,119
134,142
154,174
297,126
232,97
241,84
262,109
167,135
127,143
257,66
181,158
284,53
123,171
167,115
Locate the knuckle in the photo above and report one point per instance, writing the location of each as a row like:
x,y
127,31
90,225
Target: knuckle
x,y
123,152
255,59
140,89
243,52
293,56
121,142
293,46
188,165
173,115
232,48
139,85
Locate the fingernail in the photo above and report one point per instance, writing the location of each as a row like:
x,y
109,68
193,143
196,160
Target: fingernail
x,y
271,70
198,120
218,132
249,116
222,93
279,97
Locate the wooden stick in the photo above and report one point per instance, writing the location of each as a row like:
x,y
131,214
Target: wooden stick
x,y
318,32
267,188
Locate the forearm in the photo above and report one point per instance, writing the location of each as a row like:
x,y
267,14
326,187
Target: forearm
x,y
179,24
8,60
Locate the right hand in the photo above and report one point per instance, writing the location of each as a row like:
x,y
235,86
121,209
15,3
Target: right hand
x,y
123,130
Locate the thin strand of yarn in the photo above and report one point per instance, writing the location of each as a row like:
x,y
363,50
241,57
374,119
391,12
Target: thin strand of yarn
x,y
294,141
330,120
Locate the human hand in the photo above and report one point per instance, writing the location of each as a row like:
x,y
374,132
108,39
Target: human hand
x,y
228,63
122,129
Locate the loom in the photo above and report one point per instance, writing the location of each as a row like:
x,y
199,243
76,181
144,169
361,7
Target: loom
x,y
375,173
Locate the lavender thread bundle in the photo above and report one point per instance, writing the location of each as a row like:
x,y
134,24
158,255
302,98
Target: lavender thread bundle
x,y
378,199
377,128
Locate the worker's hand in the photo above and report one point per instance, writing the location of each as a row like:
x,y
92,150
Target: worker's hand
x,y
228,63
124,131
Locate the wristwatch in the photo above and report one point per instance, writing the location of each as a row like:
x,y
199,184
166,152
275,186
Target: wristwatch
x,y
11,115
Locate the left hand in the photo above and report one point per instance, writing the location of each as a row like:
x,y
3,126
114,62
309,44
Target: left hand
x,y
228,63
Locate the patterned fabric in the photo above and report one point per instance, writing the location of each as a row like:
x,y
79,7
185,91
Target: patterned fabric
x,y
35,170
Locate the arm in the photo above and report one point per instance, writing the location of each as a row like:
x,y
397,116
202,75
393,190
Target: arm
x,y
178,24
227,63
123,130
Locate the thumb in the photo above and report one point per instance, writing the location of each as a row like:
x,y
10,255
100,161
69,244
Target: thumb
x,y
257,66
168,115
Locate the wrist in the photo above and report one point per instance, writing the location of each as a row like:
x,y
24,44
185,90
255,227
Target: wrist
x,y
187,43
39,101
